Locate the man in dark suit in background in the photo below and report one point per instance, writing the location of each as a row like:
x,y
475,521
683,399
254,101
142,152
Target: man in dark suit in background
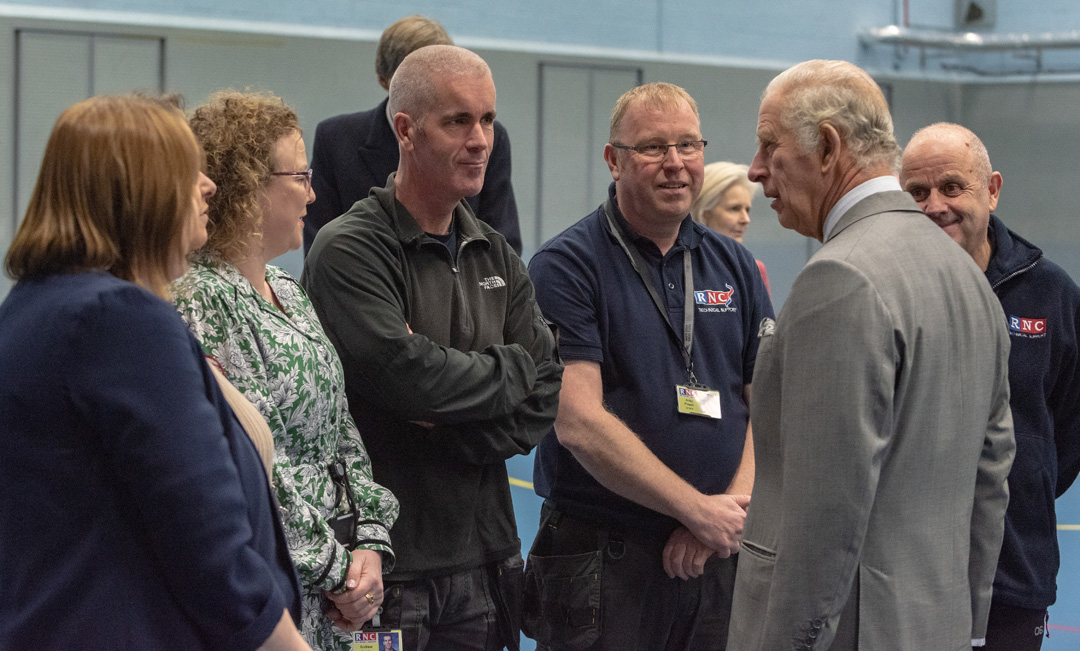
x,y
358,151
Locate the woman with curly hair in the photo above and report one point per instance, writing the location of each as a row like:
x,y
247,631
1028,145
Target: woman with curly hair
x,y
257,323
136,512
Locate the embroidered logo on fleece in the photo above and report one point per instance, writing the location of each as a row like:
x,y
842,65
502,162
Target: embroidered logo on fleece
x,y
1027,327
715,301
492,282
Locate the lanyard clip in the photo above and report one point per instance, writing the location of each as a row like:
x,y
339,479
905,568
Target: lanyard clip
x,y
690,373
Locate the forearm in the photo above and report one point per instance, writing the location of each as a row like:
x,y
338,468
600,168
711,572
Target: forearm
x,y
498,439
743,481
360,300
320,561
623,464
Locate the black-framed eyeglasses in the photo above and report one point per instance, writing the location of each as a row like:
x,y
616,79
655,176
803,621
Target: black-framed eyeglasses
x,y
686,149
307,174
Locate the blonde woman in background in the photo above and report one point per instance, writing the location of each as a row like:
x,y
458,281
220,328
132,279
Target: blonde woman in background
x,y
724,202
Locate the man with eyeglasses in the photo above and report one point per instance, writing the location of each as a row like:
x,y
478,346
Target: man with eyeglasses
x,y
648,471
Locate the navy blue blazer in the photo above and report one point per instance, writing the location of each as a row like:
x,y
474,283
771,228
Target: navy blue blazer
x,y
358,151
134,510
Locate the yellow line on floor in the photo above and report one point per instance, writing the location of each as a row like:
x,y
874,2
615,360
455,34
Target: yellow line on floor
x,y
521,482
1061,527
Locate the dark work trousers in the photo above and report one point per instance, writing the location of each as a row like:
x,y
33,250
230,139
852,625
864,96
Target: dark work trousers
x,y
1014,629
472,610
590,587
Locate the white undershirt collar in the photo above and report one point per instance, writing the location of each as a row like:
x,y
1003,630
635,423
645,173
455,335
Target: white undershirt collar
x,y
854,196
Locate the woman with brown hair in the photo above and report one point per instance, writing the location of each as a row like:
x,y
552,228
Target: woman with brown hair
x,y
257,322
136,513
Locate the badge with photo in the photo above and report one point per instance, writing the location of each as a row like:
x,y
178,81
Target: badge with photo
x,y
377,639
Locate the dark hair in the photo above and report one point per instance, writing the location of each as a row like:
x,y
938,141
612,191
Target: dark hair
x,y
400,39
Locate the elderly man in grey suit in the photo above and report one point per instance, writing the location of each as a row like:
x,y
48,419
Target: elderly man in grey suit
x,y
880,400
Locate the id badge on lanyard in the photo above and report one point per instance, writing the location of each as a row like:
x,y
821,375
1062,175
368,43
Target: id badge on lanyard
x,y
377,638
382,639
698,400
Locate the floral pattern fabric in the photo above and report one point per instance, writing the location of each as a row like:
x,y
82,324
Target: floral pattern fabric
x,y
286,366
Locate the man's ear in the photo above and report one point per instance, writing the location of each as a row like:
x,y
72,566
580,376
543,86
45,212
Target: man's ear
x,y
405,131
830,146
995,189
612,162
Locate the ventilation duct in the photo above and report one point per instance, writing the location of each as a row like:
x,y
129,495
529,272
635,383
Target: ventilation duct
x,y
980,54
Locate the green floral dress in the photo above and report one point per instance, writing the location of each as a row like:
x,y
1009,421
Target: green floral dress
x,y
287,367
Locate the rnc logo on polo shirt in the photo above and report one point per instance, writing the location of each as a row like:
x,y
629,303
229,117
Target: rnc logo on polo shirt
x,y
715,301
712,297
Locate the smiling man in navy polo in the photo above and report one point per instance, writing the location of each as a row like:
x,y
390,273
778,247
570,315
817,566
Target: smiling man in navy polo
x,y
649,469
946,168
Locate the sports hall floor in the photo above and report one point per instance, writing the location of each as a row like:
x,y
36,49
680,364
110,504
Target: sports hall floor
x,y
1064,615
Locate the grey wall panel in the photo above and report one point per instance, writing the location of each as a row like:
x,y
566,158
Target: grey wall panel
x,y
607,86
563,147
576,103
7,150
53,73
55,69
516,82
122,64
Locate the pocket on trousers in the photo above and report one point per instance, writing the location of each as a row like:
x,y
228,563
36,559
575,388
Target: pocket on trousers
x,y
562,600
509,582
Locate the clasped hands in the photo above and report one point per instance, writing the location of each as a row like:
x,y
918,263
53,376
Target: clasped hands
x,y
363,592
717,530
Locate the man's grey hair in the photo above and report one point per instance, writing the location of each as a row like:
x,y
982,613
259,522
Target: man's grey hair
x,y
838,93
980,158
413,89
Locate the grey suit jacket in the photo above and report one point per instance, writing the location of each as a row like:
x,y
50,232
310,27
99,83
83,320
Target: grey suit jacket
x,y
883,438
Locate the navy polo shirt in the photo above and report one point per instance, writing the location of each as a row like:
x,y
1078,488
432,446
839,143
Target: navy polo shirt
x,y
586,284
